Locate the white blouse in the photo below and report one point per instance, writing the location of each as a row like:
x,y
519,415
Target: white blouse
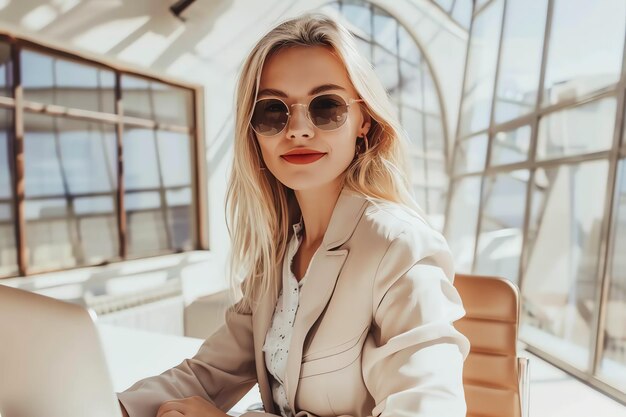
x,y
276,346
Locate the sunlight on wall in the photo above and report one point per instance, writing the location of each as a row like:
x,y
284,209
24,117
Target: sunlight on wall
x,y
150,46
65,5
103,37
39,17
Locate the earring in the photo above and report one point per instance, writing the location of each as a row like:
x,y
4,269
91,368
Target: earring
x,y
358,147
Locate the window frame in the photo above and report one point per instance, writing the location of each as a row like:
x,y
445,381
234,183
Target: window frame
x,y
19,106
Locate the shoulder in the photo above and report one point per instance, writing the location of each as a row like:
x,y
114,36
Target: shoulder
x,y
396,223
406,235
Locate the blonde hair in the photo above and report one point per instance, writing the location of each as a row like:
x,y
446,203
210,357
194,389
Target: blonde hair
x,y
260,209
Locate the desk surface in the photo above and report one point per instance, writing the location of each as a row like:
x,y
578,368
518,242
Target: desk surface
x,y
135,354
132,355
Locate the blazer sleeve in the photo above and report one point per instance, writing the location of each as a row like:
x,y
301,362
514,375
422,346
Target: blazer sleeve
x,y
222,371
413,359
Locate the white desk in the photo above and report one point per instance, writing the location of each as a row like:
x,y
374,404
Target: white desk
x,y
135,354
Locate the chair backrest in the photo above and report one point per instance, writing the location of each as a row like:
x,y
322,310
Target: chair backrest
x,y
490,374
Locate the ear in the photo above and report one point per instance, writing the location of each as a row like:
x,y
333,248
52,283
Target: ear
x,y
367,123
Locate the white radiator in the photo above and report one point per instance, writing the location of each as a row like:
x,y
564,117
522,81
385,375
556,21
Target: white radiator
x,y
158,309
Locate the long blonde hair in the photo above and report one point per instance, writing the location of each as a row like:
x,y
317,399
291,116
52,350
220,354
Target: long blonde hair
x,y
259,208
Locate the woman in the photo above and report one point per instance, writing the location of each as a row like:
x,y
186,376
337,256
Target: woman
x,y
348,303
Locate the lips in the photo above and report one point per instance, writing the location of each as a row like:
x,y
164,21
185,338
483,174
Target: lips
x,y
302,158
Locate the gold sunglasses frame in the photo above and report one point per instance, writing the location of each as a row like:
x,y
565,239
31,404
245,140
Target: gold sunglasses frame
x,y
350,101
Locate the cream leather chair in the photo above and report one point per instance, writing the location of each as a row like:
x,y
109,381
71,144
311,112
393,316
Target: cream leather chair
x,y
495,379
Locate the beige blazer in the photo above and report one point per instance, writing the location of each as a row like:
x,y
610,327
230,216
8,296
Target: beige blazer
x,y
373,334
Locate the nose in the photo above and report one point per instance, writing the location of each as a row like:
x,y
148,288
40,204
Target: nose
x,y
299,124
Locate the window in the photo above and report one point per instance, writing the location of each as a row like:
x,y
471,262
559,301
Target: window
x,y
8,244
564,237
579,130
520,60
481,70
510,147
539,173
462,221
69,210
613,362
502,225
405,73
595,33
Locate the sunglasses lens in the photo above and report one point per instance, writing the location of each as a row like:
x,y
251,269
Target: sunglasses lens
x,y
269,117
328,111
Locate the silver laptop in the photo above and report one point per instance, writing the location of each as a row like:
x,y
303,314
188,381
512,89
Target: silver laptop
x,y
51,360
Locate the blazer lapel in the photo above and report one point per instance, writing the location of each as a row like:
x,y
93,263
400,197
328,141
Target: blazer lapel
x,y
261,321
324,269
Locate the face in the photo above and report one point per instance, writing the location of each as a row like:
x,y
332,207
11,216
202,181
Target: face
x,y
296,75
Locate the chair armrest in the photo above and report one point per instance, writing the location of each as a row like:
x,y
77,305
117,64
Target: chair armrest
x,y
523,369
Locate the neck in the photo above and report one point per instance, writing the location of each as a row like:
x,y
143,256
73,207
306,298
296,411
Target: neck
x,y
316,206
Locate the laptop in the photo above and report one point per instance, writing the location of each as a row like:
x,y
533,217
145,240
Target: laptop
x,y
51,360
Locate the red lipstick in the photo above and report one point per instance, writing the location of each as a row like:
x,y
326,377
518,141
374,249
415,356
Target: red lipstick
x,y
302,156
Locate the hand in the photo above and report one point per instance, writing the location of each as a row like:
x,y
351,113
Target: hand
x,y
189,407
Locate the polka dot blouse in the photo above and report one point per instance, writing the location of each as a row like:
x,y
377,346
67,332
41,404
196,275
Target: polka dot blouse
x,y
276,347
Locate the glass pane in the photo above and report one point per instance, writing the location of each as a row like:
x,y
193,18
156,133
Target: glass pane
x,y
175,158
6,70
461,222
613,363
418,171
158,199
411,91
180,216
386,66
66,155
153,100
481,71
437,176
510,147
437,207
6,129
480,3
563,241
365,49
147,233
577,130
8,249
70,188
502,225
408,49
420,196
413,122
435,139
52,80
359,16
586,47
462,12
141,167
431,96
385,30
471,155
520,61
438,182
445,4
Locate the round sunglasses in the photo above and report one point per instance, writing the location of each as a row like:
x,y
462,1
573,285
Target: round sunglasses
x,y
326,112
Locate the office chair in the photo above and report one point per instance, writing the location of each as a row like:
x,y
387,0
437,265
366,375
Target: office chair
x,y
495,379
